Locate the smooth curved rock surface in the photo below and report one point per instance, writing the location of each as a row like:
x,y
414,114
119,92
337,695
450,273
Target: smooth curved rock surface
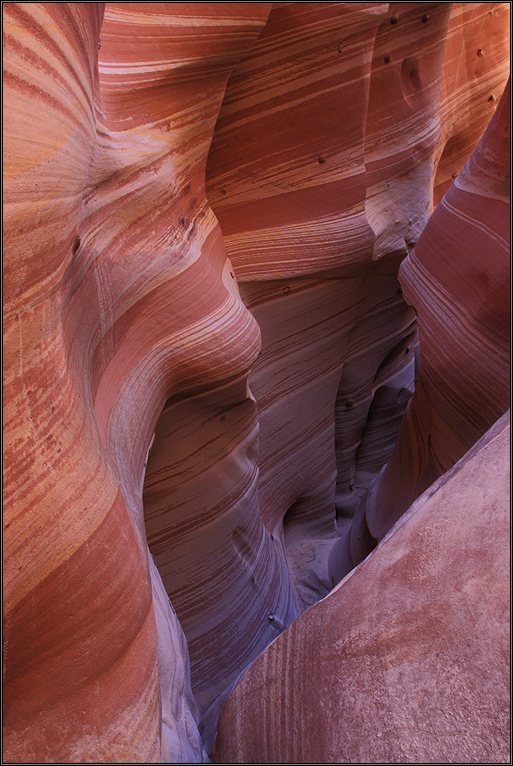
x,y
320,184
320,173
114,269
406,661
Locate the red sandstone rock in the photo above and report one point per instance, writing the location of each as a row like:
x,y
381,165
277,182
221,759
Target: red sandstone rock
x,y
124,328
114,272
319,173
407,659
320,193
475,67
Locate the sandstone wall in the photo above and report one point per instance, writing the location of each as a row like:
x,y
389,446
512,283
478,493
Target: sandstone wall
x,y
115,275
207,353
473,75
457,277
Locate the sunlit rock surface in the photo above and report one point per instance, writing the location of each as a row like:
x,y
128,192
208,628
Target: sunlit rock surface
x,y
224,415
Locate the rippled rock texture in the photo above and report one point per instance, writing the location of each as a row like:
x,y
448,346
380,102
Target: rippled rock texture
x,y
207,352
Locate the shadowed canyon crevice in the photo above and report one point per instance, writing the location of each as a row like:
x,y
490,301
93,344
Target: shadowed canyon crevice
x,y
256,381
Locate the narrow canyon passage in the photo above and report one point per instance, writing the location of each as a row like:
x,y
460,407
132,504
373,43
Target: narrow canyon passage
x,y
316,264
250,468
316,228
256,302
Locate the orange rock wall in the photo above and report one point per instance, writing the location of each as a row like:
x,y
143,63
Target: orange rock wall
x,y
476,65
114,272
206,348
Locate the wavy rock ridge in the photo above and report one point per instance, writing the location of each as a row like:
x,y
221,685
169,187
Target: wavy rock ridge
x,y
110,243
409,654
197,397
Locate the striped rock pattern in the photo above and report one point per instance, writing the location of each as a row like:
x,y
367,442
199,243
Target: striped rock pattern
x,y
406,661
337,716
457,277
314,218
115,276
128,418
320,173
475,67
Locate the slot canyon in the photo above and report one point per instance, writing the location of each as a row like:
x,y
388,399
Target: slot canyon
x,y
256,382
